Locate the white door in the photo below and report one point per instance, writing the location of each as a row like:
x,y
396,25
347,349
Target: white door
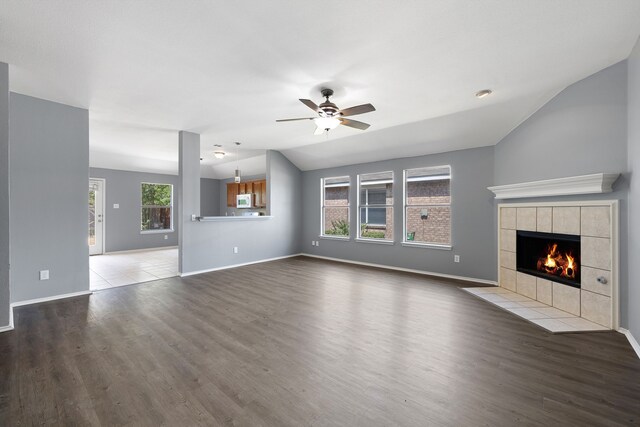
x,y
96,216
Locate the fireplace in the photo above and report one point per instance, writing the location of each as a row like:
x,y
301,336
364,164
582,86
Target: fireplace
x,y
551,256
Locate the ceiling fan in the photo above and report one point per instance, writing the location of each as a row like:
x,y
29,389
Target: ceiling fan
x,y
330,116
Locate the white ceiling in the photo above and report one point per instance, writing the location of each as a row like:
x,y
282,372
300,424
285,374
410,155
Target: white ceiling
x,y
146,69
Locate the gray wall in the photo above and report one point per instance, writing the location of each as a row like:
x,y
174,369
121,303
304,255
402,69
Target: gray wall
x,y
122,225
585,127
5,291
209,245
49,188
189,196
473,223
209,197
634,196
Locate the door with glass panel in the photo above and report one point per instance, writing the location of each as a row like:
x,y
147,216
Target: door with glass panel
x,y
96,216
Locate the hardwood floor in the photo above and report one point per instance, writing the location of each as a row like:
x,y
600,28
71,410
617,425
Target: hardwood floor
x,y
305,342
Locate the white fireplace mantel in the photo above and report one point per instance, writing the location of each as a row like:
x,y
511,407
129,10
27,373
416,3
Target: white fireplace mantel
x,y
584,184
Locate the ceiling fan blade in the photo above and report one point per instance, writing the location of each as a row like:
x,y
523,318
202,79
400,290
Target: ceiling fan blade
x,y
359,109
309,103
293,120
319,131
354,124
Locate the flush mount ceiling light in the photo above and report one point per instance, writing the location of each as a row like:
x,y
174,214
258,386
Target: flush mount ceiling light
x,y
483,93
218,154
236,177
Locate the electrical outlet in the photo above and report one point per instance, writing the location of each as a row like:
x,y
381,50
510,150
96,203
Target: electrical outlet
x,y
313,243
166,237
235,249
317,243
456,258
44,274
116,206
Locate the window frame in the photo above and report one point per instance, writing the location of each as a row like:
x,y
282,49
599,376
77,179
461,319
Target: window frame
x,y
170,206
405,204
323,206
367,206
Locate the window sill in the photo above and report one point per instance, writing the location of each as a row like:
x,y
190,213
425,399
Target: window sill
x,y
376,241
341,239
428,246
232,218
156,231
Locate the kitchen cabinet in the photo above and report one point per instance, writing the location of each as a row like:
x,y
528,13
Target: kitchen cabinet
x,y
257,188
260,190
232,192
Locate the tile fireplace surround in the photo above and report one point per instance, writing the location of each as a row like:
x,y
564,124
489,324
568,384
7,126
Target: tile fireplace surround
x,y
596,223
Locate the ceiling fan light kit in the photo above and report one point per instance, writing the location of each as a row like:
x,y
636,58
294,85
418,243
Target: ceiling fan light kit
x,y
327,123
330,116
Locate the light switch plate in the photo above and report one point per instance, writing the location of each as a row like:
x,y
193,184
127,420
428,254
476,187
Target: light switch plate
x,y
116,206
44,274
235,249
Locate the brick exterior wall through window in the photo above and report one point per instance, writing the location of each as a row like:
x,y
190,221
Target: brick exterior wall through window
x,y
421,196
437,227
336,202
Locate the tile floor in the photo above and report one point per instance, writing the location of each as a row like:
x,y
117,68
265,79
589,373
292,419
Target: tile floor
x,y
126,268
543,315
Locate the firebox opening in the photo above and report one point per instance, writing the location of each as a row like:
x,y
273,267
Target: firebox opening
x,y
550,256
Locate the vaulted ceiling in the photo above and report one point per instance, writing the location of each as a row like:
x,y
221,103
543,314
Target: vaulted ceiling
x,y
146,69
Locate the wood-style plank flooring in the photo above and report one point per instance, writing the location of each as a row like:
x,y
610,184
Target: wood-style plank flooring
x,y
305,342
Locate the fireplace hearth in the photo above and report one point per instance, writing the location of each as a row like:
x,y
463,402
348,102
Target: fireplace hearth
x,y
551,256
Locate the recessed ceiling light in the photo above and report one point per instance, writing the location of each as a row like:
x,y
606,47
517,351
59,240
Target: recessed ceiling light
x,y
483,93
218,154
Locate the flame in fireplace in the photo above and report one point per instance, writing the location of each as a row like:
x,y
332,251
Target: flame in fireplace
x,y
550,263
558,264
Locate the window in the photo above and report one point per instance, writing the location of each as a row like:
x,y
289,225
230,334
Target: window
x,y
427,206
335,207
376,206
157,204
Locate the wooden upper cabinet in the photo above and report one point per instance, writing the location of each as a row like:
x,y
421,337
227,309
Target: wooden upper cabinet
x,y
232,192
257,188
263,193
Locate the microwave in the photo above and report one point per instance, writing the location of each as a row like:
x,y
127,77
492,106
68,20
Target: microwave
x,y
244,201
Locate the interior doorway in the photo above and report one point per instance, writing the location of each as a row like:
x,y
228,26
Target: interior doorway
x,y
96,216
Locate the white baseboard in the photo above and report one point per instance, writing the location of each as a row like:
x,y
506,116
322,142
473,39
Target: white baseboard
x,y
632,340
51,298
191,273
36,301
132,251
408,270
9,327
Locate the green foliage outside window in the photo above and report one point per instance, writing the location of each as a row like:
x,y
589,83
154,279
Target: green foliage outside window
x,y
338,228
156,206
156,194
